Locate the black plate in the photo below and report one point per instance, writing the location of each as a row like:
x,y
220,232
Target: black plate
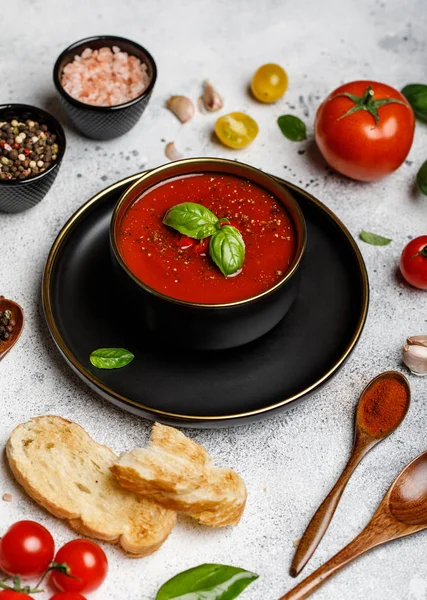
x,y
205,389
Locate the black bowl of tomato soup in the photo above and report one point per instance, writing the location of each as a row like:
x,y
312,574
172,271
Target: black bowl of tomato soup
x,y
171,281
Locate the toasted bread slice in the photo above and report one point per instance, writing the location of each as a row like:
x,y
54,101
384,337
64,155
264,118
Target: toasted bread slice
x,y
66,471
180,475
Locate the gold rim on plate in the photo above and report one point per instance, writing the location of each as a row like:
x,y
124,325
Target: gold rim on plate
x,y
106,391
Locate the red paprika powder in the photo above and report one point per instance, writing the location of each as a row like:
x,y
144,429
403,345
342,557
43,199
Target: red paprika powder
x,y
383,406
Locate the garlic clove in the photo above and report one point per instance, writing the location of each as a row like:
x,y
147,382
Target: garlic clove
x,y
415,358
212,101
172,153
182,107
418,340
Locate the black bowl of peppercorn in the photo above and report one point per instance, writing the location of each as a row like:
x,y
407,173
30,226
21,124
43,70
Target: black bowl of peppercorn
x,y
32,145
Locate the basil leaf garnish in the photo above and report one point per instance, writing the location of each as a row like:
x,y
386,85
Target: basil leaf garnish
x,y
191,219
227,249
213,582
292,127
416,95
422,178
111,358
374,239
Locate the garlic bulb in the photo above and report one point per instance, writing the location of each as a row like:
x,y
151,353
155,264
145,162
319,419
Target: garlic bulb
x,y
414,354
182,107
210,100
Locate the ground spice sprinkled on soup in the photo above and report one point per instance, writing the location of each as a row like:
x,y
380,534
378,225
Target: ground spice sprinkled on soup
x,y
181,268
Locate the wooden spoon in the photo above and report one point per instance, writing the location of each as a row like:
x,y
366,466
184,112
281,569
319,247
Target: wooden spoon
x,y
18,315
363,442
402,512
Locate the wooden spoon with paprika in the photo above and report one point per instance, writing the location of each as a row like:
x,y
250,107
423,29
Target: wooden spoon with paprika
x,y
381,409
17,319
402,512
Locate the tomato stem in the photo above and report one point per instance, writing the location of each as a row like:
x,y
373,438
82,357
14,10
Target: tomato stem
x,y
368,103
422,252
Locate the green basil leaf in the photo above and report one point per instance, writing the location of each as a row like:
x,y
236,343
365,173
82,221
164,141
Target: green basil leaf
x,y
191,219
227,249
111,358
374,239
422,178
207,582
292,127
416,95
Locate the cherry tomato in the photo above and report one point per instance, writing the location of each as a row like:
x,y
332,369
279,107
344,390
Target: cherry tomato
x,y
68,596
236,130
269,83
185,242
87,563
413,262
26,549
368,135
11,595
201,247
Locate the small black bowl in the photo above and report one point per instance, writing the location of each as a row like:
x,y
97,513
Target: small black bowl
x,y
17,195
104,122
208,326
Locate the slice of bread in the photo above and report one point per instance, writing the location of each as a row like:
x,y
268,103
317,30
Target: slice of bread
x,y
180,475
66,471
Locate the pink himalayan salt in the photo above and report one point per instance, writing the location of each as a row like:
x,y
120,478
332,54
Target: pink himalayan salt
x,y
105,77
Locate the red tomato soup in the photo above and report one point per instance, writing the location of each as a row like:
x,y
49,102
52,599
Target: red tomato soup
x,y
155,252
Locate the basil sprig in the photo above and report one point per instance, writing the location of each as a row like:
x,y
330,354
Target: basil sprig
x,y
216,582
226,246
416,95
111,358
227,250
292,127
191,219
374,239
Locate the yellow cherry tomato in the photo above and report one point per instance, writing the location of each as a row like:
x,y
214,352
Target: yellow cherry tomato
x,y
236,130
269,83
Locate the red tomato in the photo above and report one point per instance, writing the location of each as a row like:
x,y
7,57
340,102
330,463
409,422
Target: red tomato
x,y
185,242
87,563
68,596
413,262
357,144
11,595
201,247
26,549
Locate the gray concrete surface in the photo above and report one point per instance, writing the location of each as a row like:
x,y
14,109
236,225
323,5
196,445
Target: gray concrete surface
x,y
289,462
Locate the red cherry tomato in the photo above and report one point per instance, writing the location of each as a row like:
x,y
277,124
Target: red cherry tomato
x,y
87,563
356,143
68,596
185,242
201,247
11,595
413,262
26,549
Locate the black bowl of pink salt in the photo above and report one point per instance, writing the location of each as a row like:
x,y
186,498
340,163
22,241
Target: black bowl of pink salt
x,y
32,145
104,83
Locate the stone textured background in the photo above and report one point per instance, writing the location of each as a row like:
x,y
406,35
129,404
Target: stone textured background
x,y
289,462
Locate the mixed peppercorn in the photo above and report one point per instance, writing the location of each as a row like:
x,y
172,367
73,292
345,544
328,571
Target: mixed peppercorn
x,y
7,324
26,149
